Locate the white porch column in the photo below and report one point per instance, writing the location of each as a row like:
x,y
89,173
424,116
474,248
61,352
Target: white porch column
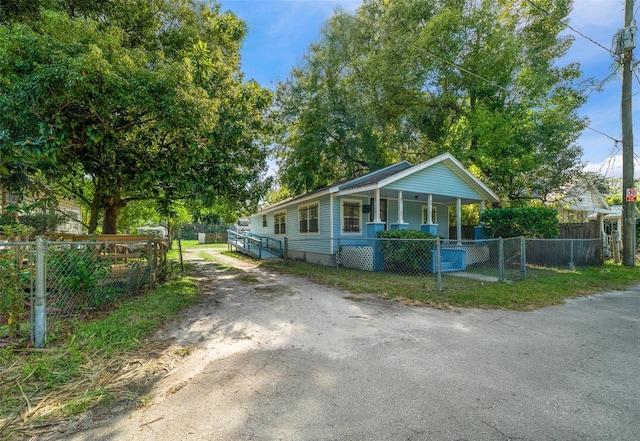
x,y
482,207
376,217
400,208
429,209
459,219
601,224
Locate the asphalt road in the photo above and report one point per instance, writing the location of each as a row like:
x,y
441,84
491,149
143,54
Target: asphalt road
x,y
283,359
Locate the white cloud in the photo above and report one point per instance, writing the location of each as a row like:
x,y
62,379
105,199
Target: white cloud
x,y
612,167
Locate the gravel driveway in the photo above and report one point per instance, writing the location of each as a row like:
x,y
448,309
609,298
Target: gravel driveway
x,y
279,358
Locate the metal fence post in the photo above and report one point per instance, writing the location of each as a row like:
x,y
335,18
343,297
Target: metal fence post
x,y
39,333
438,265
338,256
286,250
523,258
501,259
571,264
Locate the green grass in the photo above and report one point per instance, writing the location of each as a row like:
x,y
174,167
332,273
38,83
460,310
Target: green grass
x,y
79,349
542,288
191,244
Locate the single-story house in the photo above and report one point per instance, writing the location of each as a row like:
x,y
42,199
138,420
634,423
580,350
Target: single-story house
x,y
400,196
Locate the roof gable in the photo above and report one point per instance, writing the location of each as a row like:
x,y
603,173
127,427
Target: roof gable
x,y
584,196
443,175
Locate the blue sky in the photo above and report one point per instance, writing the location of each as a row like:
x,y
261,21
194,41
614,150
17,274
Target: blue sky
x,y
280,31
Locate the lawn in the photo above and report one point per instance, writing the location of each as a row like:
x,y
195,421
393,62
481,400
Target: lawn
x,y
543,287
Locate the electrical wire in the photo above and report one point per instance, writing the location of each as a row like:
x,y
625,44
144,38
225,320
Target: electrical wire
x,y
493,83
601,83
569,26
431,54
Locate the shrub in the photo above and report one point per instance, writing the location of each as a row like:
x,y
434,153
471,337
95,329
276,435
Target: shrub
x,y
406,251
14,277
539,222
78,274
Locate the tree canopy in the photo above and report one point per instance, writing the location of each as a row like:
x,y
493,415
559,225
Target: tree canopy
x,y
411,80
130,100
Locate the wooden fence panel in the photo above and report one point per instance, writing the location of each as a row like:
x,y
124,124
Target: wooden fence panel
x,y
582,230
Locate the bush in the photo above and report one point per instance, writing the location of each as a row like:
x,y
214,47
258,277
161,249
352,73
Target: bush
x,y
539,222
406,251
14,277
78,274
41,224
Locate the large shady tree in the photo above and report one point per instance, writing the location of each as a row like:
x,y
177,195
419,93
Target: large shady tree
x,y
130,100
411,80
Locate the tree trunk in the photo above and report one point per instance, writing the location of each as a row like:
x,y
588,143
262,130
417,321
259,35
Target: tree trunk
x,y
112,206
93,215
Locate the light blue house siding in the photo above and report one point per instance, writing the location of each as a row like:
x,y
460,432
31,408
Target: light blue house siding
x,y
441,180
313,242
438,180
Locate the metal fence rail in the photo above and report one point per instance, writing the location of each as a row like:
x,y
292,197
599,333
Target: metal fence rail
x,y
44,283
445,263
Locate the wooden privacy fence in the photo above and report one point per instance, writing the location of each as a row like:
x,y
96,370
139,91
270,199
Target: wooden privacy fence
x,y
582,230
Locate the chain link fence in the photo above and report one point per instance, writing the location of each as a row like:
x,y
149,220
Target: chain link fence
x,y
445,264
45,283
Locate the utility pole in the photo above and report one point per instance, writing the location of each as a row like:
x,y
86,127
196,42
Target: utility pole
x,y
626,43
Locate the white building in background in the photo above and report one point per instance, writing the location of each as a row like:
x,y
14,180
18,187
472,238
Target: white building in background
x,y
70,211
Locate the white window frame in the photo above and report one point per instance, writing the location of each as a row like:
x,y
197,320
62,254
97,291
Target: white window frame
x,y
307,209
434,214
359,211
277,224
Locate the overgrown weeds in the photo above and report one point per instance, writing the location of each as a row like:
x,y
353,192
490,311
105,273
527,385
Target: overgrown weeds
x,y
87,362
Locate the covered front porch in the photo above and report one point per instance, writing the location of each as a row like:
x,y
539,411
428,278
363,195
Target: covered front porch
x,y
428,212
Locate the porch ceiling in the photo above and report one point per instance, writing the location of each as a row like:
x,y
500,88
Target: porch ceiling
x,y
422,197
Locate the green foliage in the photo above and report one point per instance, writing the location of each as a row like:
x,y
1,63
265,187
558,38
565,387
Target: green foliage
x,y
81,352
40,224
406,251
407,80
78,274
15,277
540,222
124,101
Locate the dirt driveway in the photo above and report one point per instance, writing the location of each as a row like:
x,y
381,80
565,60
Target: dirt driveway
x,y
278,358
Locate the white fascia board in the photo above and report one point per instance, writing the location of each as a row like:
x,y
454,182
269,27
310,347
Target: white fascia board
x,y
293,201
455,166
358,190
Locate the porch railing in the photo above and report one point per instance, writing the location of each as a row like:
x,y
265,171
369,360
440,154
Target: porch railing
x,y
261,247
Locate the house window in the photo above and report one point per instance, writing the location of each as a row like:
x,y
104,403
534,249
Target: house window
x,y
351,217
434,214
308,218
264,221
383,210
280,223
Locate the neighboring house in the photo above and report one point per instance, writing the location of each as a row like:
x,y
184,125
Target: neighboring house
x,y
70,212
613,220
582,202
400,196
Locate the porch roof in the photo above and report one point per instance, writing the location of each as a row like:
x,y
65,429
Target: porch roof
x,y
415,182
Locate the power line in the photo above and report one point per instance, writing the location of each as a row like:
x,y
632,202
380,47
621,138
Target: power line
x,y
570,27
601,83
431,54
603,134
493,83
